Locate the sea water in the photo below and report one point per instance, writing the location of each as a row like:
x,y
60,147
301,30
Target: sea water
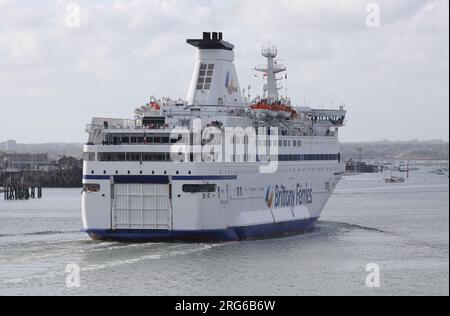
x,y
401,229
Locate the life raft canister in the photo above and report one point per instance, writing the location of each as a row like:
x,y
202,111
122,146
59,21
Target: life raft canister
x,y
155,106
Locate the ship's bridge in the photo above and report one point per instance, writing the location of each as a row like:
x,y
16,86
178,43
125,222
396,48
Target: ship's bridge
x,y
335,117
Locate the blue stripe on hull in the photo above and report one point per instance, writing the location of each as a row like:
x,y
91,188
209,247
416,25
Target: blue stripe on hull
x,y
230,234
198,178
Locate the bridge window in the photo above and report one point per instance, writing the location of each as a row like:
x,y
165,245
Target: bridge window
x,y
89,156
89,188
205,76
199,188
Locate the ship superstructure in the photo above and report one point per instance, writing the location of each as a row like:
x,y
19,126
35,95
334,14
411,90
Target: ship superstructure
x,y
215,166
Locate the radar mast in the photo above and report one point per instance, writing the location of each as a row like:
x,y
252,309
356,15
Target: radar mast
x,y
271,70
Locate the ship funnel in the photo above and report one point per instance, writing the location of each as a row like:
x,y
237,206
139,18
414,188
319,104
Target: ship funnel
x,y
214,81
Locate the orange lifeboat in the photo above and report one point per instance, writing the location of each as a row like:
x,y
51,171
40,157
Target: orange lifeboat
x,y
278,109
281,110
262,108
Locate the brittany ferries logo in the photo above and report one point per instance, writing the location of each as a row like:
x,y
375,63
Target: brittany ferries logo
x,y
269,196
230,84
280,196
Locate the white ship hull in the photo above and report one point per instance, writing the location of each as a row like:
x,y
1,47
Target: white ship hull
x,y
153,207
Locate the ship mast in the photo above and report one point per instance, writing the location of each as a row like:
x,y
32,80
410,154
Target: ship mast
x,y
271,70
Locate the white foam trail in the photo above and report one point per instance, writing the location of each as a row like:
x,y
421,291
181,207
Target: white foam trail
x,y
157,256
148,257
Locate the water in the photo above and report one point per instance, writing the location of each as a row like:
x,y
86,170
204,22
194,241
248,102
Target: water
x,y
404,228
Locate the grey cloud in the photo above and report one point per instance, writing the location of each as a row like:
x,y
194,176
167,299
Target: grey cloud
x,y
54,79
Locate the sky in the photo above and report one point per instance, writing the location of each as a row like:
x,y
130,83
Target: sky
x,y
386,60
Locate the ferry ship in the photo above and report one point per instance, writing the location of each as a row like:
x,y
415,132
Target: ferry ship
x,y
216,166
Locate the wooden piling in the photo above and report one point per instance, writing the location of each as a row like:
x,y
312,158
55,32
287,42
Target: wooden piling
x,y
20,186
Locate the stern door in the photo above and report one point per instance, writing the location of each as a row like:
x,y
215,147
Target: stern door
x,y
141,206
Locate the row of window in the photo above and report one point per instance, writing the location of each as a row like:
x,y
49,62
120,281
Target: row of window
x,y
281,143
287,143
279,170
239,172
309,157
166,157
140,172
153,139
134,156
134,140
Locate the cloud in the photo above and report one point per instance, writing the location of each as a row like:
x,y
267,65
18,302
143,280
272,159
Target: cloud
x,y
21,46
127,50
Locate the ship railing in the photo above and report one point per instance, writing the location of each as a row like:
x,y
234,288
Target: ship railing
x,y
93,127
141,128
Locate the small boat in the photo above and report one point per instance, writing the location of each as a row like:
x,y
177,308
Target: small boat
x,y
394,179
440,171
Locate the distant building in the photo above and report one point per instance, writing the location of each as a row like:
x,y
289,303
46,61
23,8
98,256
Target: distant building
x,y
70,163
25,161
10,145
361,167
2,161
